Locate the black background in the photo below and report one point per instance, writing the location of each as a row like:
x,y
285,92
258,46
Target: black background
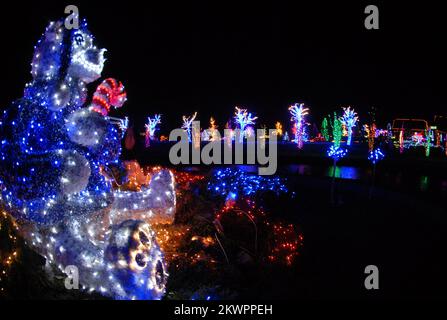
x,y
177,58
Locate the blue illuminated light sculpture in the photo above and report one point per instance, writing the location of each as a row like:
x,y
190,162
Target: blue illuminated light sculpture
x,y
54,152
336,153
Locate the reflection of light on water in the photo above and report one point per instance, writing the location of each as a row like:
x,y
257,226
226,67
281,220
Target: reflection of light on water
x,y
424,183
342,172
302,169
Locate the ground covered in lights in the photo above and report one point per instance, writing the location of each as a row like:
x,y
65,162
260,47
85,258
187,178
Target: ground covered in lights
x,y
280,239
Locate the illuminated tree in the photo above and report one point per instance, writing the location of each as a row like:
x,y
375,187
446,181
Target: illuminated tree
x,y
336,130
151,127
278,129
371,132
298,113
124,124
243,118
325,130
187,124
213,133
349,119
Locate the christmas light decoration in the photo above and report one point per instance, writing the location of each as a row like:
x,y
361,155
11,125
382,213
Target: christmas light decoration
x,y
187,124
212,131
55,155
284,241
336,130
109,93
375,156
401,140
349,119
8,238
428,139
243,118
298,113
211,134
417,138
231,183
325,130
278,129
336,153
371,135
123,124
151,127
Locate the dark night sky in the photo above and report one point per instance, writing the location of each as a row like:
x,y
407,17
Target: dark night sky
x,y
175,59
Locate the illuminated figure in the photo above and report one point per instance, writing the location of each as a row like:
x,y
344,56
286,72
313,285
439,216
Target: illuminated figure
x,y
55,154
